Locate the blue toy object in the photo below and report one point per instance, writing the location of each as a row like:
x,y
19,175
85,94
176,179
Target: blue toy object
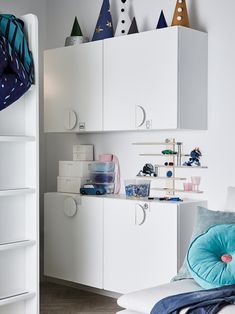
x,y
169,174
194,159
90,189
175,199
148,170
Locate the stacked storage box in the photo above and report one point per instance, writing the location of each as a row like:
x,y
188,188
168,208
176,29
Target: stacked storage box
x,y
102,175
74,174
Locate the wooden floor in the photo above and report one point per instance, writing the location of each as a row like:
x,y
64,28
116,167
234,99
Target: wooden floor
x,y
56,299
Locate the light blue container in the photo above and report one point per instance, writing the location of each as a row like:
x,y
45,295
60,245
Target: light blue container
x,y
100,166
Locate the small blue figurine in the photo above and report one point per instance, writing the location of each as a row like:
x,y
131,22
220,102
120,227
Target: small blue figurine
x,y
194,159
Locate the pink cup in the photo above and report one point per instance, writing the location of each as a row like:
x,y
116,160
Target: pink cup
x,y
188,186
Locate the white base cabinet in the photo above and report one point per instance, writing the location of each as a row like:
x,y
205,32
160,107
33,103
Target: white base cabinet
x,y
144,242
119,245
74,238
140,244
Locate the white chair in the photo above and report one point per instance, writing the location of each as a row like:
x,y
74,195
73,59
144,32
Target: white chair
x,y
142,302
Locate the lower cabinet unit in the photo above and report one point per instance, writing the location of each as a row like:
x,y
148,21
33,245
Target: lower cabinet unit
x,y
116,244
140,244
74,238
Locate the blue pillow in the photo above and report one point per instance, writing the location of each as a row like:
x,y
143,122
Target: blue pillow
x,y
211,257
205,219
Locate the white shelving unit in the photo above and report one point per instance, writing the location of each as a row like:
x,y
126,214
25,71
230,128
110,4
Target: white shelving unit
x,y
170,187
19,196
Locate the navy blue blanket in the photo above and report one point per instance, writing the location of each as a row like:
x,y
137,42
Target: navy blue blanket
x,y
199,302
16,61
14,80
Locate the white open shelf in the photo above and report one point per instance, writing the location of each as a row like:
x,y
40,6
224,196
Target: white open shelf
x,y
162,155
176,159
161,178
186,167
155,143
17,297
16,138
16,191
176,190
16,245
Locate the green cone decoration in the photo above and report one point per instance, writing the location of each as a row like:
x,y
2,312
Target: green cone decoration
x,y
76,30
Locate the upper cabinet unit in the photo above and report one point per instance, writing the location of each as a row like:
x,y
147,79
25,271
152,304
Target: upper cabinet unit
x,y
156,80
151,80
73,88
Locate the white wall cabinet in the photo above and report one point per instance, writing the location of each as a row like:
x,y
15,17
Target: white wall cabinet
x,y
156,80
74,238
19,196
73,88
151,80
118,245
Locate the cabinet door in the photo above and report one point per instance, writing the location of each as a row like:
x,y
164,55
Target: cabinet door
x,y
140,244
74,238
140,81
73,88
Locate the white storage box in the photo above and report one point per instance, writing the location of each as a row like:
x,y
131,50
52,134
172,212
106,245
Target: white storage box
x,y
74,169
85,148
83,157
83,152
70,185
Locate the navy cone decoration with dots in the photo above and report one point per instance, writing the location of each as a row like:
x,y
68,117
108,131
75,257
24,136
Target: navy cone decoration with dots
x,y
104,26
134,28
162,21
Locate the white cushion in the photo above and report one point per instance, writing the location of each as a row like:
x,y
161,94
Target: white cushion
x,y
142,302
230,199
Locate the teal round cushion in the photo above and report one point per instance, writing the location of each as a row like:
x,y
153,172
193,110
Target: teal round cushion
x,y
211,257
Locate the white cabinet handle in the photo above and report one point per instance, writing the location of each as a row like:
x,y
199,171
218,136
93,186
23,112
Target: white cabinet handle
x,y
70,120
143,209
144,116
70,207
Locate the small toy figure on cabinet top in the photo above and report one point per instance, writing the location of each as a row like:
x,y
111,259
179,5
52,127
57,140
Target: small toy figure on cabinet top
x,y
180,15
162,21
194,159
124,20
104,25
133,28
76,36
148,171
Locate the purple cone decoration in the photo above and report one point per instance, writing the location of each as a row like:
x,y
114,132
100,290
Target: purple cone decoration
x,y
104,26
162,21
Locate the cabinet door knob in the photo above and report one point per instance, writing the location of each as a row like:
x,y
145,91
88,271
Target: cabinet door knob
x,y
70,207
143,116
70,120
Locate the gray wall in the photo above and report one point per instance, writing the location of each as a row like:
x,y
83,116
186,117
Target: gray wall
x,y
216,143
